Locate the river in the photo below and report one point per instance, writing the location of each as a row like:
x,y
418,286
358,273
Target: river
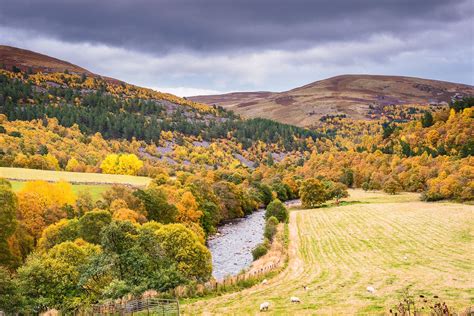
x,y
232,247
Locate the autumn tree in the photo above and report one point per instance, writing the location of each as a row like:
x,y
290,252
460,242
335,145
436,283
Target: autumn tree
x,y
41,203
188,209
125,214
84,203
127,164
313,193
122,192
392,186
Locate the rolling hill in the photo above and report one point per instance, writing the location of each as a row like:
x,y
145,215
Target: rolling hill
x,y
27,60
352,95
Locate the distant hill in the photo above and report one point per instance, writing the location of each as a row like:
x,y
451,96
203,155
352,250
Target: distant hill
x,y
352,95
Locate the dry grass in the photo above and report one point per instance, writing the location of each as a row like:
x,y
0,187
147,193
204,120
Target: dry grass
x,y
340,251
276,255
73,177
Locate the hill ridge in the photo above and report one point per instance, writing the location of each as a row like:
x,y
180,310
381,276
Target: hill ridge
x,y
353,95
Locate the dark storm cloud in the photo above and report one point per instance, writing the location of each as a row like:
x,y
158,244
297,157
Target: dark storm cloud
x,y
220,25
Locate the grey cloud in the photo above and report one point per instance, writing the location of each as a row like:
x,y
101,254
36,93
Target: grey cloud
x,y
208,26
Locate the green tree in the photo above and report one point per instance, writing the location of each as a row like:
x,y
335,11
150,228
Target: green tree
x,y
313,193
193,258
335,190
8,223
270,228
265,193
230,200
277,209
91,225
347,177
156,205
427,119
52,280
281,190
64,230
464,103
10,298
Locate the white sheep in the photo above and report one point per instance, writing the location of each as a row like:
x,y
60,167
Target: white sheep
x,y
294,299
371,289
264,306
306,288
264,281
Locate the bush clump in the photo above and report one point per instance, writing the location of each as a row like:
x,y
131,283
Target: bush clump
x,y
261,249
277,209
270,228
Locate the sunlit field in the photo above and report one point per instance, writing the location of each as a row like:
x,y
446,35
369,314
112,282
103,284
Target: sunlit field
x,y
73,177
388,242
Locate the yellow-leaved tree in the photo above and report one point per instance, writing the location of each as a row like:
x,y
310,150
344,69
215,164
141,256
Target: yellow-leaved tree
x,y
188,209
41,204
127,164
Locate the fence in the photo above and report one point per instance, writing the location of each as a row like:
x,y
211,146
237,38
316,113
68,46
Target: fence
x,y
145,306
215,286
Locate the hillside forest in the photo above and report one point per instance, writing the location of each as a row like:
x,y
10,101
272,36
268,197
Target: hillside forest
x,y
61,249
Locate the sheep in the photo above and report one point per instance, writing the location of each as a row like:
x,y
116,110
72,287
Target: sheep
x,y
264,282
264,306
305,287
371,289
294,299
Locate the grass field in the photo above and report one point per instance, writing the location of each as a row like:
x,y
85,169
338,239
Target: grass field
x,y
388,242
73,177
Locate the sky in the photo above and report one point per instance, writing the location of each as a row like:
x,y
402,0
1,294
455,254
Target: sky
x,y
199,47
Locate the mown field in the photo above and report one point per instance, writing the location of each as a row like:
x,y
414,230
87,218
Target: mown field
x,y
73,177
388,242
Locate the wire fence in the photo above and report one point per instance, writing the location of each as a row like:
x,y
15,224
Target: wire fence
x,y
216,286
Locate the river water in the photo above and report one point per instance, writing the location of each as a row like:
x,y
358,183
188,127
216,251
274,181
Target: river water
x,y
232,247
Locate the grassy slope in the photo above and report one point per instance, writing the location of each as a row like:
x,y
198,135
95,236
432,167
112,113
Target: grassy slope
x,y
73,177
340,251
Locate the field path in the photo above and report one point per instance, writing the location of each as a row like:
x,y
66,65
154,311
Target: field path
x,y
388,242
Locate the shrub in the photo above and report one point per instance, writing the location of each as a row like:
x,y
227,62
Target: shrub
x,y
277,209
270,227
259,251
392,186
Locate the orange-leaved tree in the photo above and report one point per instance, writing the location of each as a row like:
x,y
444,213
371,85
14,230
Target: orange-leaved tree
x,y
41,203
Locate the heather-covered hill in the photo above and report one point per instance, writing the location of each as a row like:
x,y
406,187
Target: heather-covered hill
x,y
356,96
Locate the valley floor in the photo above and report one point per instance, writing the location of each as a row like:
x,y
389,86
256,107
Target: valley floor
x,y
388,242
